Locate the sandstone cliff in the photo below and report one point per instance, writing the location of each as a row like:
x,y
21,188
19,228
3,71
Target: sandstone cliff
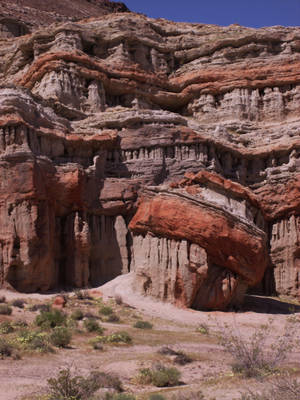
x,y
167,149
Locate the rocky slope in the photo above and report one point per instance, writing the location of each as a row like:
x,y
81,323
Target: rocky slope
x,y
167,149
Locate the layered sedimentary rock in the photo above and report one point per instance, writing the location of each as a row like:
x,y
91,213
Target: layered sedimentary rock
x,y
171,150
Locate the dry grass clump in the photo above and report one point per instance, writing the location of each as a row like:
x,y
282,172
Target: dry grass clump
x,y
181,358
284,388
5,309
253,357
69,386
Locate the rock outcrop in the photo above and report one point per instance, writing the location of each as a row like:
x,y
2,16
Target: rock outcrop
x,y
168,149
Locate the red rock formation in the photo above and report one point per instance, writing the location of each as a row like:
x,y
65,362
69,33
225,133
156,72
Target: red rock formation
x,y
188,134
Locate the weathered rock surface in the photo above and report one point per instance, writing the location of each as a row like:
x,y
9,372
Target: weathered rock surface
x,y
171,150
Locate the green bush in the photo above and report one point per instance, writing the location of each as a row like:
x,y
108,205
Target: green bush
x,y
106,310
91,325
77,315
143,325
6,327
5,309
61,336
50,319
34,340
6,348
117,337
159,376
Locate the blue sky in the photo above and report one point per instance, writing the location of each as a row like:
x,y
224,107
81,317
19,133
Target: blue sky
x,y
253,13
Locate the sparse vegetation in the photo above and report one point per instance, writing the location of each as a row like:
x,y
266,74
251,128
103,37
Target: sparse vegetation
x,y
6,348
159,376
91,325
143,325
117,337
68,386
61,336
77,315
106,310
181,358
39,307
20,303
33,340
113,318
203,328
118,300
82,294
253,357
6,327
5,309
50,319
156,397
284,388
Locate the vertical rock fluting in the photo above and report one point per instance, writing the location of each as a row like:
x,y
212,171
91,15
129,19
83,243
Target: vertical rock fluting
x,y
132,144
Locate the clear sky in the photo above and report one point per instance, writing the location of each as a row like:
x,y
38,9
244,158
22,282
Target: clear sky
x,y
253,13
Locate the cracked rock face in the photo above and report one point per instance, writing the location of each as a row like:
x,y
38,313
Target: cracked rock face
x,y
168,149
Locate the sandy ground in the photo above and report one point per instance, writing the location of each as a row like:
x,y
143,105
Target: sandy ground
x,y
210,371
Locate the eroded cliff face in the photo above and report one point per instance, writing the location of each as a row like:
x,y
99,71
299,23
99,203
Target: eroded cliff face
x,y
167,149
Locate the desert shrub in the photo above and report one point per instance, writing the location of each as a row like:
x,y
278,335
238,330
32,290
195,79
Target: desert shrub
x,y
34,340
68,386
118,300
143,325
284,388
253,357
40,307
82,294
20,324
159,376
156,397
167,351
50,319
2,299
91,325
203,328
97,345
5,309
77,315
90,315
6,327
120,396
113,318
181,358
6,348
18,303
106,310
61,336
117,337
188,395
107,380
